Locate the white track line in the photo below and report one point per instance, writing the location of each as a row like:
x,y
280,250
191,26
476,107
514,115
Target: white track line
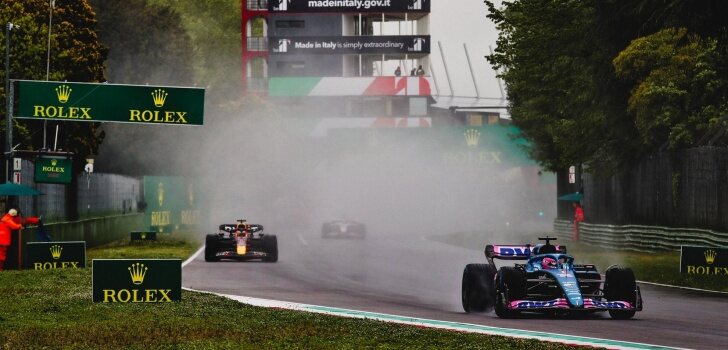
x,y
300,238
686,288
456,326
190,259
463,327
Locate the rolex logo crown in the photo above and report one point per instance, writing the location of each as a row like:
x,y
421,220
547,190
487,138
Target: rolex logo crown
x,y
159,96
160,193
137,272
710,256
63,92
472,137
54,162
56,251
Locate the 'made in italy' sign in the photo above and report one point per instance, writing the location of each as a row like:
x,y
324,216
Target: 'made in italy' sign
x,y
94,102
704,261
55,255
372,44
137,280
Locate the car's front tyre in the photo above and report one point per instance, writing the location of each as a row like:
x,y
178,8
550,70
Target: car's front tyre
x,y
620,285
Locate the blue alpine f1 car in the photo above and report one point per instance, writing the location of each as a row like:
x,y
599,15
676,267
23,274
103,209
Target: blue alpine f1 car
x,y
548,282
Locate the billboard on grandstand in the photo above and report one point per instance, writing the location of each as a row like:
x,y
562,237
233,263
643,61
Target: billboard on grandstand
x,y
376,44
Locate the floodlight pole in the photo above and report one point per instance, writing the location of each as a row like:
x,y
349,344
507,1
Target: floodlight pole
x,y
52,4
8,104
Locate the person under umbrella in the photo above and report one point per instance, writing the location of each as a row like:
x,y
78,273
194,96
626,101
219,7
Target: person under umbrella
x,y
11,222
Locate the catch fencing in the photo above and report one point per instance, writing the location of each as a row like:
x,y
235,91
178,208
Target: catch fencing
x,y
687,188
639,237
98,195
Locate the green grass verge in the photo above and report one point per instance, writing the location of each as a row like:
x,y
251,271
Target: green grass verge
x,y
52,309
657,267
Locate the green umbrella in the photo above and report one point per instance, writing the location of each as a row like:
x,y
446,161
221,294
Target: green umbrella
x,y
11,189
574,197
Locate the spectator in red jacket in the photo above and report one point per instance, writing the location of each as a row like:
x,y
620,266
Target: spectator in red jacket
x,y
9,223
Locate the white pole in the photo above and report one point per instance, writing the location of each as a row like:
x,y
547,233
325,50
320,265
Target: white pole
x,y
55,143
48,60
472,75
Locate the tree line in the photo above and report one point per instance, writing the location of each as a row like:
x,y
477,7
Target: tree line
x,y
604,83
155,42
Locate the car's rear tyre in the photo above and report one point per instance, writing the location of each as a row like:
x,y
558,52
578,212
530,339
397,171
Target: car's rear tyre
x,y
478,291
361,232
510,285
270,246
620,285
211,248
325,229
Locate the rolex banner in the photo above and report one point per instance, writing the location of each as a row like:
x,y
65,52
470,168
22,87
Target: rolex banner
x,y
55,255
370,44
93,102
171,203
137,280
354,6
53,170
704,261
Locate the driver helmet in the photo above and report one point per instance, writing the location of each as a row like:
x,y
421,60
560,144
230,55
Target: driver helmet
x,y
548,263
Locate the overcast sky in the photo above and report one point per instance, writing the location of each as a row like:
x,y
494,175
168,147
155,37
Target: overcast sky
x,y
454,23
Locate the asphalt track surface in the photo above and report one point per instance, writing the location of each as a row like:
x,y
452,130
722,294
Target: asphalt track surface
x,y
412,276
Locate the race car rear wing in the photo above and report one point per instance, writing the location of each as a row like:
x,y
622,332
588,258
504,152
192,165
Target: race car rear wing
x,y
517,252
231,227
508,252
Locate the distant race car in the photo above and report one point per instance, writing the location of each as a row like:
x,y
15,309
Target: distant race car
x,y
241,242
343,229
549,282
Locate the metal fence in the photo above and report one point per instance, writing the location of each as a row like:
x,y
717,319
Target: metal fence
x,y
641,238
684,189
107,194
98,194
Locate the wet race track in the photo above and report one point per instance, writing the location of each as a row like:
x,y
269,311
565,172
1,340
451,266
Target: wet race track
x,y
410,275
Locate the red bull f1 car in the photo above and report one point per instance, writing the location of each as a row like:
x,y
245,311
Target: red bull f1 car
x,y
548,282
343,229
241,242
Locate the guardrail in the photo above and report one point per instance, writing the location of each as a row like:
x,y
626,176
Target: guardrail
x,y
94,232
639,237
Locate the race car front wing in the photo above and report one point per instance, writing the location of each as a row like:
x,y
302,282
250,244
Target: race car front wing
x,y
562,303
247,255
